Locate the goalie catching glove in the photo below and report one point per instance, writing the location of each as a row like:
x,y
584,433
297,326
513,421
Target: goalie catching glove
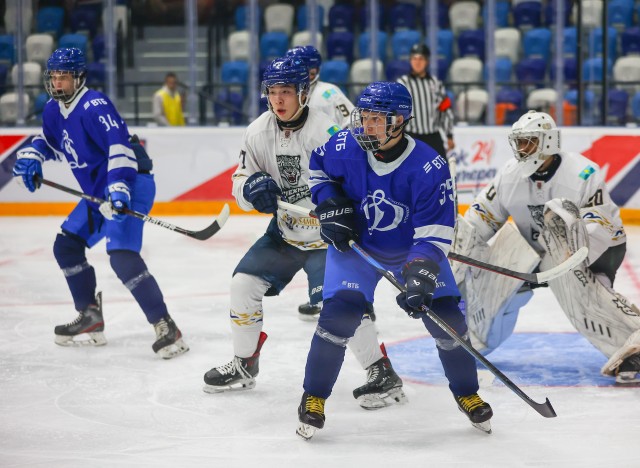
x,y
337,222
421,276
262,192
118,198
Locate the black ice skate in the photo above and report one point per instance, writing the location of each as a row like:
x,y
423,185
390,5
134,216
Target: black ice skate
x,y
478,411
310,415
309,312
628,373
89,323
383,386
239,374
168,342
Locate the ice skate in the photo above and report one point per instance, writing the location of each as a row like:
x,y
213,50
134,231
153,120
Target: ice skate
x,y
239,374
309,312
169,343
310,415
478,411
382,388
86,330
629,372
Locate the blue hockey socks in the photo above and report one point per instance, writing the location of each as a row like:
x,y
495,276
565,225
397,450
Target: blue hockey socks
x,y
69,251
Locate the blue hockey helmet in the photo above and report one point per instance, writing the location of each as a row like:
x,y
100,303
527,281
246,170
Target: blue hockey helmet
x,y
69,60
287,71
388,98
310,56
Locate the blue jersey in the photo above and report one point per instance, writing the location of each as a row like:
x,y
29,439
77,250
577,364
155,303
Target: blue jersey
x,y
404,209
92,137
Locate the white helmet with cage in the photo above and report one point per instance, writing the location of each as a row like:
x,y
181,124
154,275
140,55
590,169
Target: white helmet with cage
x,y
534,138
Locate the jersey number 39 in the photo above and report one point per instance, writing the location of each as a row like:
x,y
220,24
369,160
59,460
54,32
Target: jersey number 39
x,y
446,191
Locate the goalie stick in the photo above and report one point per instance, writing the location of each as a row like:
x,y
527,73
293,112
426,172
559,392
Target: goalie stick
x,y
544,409
204,234
535,278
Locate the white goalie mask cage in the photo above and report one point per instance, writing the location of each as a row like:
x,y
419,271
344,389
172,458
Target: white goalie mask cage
x,y
534,128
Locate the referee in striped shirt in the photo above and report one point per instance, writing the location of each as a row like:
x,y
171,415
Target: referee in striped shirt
x,y
432,112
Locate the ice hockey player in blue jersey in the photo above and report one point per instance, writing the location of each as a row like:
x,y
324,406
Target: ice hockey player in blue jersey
x,y
394,196
83,127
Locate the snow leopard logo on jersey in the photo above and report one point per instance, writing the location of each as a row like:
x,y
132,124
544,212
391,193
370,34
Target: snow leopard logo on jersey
x,y
383,214
70,151
537,214
291,173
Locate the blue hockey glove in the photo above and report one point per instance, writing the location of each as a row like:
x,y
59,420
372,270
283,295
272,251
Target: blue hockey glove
x,y
421,276
262,192
27,167
337,222
118,198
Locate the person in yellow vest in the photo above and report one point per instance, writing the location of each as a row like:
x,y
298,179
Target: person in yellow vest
x,y
167,103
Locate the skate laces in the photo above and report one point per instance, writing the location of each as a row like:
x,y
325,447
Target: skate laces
x,y
470,402
161,327
314,404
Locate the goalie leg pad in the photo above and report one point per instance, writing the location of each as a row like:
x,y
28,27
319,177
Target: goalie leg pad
x,y
247,292
492,301
467,242
629,348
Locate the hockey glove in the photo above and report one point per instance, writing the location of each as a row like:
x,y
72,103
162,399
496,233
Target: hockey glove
x,y
421,276
262,192
118,198
337,222
28,166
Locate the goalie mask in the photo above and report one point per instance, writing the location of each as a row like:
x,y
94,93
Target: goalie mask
x,y
374,121
66,74
534,138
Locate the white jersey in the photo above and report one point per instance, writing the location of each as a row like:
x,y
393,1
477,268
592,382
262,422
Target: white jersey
x,y
577,179
284,154
332,101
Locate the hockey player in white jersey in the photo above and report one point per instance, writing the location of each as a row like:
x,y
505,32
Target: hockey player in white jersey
x,y
274,164
559,202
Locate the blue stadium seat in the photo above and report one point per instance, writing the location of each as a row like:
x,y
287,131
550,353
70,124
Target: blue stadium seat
x,y
363,18
531,71
235,72
403,16
512,101
273,44
4,70
635,106
74,40
471,43
228,107
98,47
7,50
592,69
50,20
335,71
502,13
84,20
39,103
527,15
301,17
504,69
396,68
340,46
445,44
571,96
96,74
536,43
443,16
341,17
240,17
570,70
442,69
618,104
402,41
630,41
595,42
570,41
550,13
620,13
364,45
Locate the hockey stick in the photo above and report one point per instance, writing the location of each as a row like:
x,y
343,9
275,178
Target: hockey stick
x,y
545,409
205,234
536,278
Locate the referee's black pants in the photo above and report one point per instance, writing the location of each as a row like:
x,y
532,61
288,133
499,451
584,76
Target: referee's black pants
x,y
432,139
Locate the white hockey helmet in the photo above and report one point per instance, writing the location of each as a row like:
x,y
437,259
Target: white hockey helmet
x,y
534,138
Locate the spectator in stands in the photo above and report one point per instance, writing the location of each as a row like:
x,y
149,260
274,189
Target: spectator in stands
x,y
167,103
432,110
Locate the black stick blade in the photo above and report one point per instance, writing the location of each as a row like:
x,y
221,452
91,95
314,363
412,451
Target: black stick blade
x,y
214,227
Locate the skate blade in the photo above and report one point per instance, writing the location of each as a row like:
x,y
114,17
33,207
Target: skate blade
x,y
173,350
374,401
628,379
83,339
306,431
483,426
236,387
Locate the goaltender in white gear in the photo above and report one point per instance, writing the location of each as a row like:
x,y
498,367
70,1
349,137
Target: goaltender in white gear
x,y
558,202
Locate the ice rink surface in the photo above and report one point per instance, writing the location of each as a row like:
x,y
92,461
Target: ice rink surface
x,y
121,405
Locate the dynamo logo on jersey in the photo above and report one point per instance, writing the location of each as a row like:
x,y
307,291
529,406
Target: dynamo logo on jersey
x,y
383,214
71,152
